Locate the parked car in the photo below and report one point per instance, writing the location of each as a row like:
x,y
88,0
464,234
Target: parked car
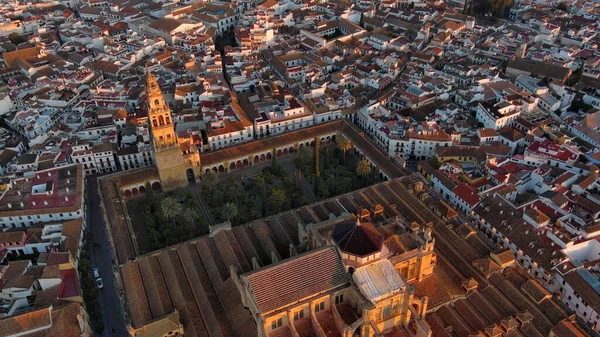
x,y
96,273
99,283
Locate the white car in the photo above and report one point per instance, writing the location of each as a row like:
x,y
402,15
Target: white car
x,y
99,283
96,273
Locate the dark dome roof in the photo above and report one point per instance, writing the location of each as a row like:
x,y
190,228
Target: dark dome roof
x,y
360,239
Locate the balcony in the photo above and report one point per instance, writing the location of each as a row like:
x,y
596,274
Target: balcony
x,y
327,323
347,313
281,332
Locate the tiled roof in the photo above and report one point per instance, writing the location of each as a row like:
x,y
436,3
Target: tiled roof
x,y
296,278
356,238
16,325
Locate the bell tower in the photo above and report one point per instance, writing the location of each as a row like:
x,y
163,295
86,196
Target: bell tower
x,y
167,151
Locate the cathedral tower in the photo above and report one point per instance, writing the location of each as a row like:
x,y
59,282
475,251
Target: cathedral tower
x,y
167,151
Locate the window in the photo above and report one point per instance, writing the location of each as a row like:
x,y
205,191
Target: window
x,y
386,311
319,306
277,323
298,314
339,299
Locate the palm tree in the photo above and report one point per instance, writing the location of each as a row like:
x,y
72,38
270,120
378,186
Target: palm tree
x,y
235,192
211,179
169,208
191,215
229,211
344,145
363,168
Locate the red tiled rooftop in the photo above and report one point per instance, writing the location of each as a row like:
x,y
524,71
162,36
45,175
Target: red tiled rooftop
x,y
63,184
467,193
68,286
297,278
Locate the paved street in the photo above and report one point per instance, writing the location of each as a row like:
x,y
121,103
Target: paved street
x,y
101,258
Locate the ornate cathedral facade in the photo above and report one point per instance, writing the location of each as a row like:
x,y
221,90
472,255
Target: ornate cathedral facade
x,y
178,162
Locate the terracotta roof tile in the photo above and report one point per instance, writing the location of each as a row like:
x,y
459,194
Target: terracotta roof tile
x,y
296,278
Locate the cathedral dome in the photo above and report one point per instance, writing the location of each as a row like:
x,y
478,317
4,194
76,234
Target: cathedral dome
x,y
356,238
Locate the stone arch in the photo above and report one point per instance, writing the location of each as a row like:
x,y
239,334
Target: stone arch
x,y
262,157
128,194
291,149
238,164
256,159
245,163
161,120
232,165
333,138
215,170
285,152
142,189
221,168
190,176
269,155
328,139
135,192
312,143
206,171
156,186
280,153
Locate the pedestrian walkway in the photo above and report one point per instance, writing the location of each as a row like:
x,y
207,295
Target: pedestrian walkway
x,y
210,220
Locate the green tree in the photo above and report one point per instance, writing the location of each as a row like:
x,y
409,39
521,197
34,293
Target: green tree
x,y
179,193
277,199
16,38
563,7
169,208
304,155
191,215
326,160
229,211
344,145
317,170
235,193
465,7
499,6
274,161
217,196
363,168
211,179
149,194
260,183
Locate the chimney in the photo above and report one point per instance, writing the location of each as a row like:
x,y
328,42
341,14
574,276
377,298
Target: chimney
x,y
33,203
67,188
49,174
66,198
19,192
9,205
68,172
45,203
22,205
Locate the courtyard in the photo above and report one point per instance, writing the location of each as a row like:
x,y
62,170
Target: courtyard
x,y
248,193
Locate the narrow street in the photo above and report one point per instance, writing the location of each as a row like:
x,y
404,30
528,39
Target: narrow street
x,y
101,258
